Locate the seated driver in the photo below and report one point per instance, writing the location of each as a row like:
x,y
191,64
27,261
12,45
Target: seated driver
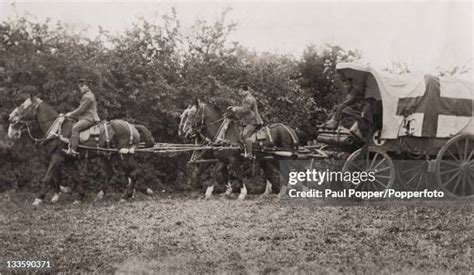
x,y
249,115
354,99
86,115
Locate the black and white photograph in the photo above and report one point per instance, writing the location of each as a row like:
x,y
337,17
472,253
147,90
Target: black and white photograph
x,y
236,137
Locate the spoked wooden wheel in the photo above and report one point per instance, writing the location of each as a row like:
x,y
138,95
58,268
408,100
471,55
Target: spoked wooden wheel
x,y
373,160
413,174
455,166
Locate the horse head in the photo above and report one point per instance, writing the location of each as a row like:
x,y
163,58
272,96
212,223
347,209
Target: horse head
x,y
21,115
204,120
191,120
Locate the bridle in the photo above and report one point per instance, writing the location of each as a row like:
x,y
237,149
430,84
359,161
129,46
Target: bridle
x,y
26,124
199,123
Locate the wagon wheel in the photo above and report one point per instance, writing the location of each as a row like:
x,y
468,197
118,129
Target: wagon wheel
x,y
454,169
374,160
413,174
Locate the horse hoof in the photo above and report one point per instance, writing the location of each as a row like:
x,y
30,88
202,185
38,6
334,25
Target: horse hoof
x,y
37,202
100,195
55,198
149,191
76,202
241,197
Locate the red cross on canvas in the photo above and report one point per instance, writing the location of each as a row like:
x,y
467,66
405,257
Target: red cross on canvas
x,y
432,104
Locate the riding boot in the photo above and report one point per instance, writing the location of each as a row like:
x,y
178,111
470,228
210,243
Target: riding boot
x,y
248,149
74,141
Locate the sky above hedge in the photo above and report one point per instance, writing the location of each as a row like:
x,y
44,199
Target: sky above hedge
x,y
424,35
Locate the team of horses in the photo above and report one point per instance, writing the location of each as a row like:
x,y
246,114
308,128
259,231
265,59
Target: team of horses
x,y
201,121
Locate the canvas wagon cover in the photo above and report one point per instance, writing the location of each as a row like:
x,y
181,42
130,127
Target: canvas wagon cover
x,y
434,106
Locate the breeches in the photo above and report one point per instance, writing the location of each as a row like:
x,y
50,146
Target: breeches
x,y
248,131
79,126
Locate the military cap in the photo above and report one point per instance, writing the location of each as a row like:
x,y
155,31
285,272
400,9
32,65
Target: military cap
x,y
244,85
85,80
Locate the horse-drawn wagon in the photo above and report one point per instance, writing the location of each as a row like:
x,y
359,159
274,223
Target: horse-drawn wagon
x,y
418,129
421,127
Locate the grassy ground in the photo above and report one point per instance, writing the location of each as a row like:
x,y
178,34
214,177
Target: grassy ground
x,y
183,233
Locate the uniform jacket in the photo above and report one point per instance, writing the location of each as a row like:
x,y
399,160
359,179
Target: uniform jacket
x,y
87,109
248,112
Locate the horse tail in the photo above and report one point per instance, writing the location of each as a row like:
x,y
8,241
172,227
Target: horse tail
x,y
145,135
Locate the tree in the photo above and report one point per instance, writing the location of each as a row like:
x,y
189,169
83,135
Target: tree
x,y
318,76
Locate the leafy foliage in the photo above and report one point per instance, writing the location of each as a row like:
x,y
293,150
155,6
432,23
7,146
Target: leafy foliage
x,y
149,73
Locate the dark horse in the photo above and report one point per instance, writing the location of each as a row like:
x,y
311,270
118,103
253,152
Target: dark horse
x,y
206,122
120,135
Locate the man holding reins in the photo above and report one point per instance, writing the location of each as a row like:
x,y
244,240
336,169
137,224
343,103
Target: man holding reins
x,y
249,115
86,115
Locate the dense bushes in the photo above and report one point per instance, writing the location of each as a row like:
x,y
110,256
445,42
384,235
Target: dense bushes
x,y
149,73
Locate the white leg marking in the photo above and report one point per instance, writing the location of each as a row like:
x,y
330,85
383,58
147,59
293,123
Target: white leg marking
x,y
228,189
283,191
55,198
243,193
100,195
209,191
37,202
268,189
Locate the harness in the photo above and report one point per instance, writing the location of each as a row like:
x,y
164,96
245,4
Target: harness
x,y
220,135
198,128
28,122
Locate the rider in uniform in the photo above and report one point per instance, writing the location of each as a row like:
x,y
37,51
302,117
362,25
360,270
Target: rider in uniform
x,y
86,115
248,113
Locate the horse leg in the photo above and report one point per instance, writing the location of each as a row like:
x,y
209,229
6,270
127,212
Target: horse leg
x,y
141,187
267,169
228,188
57,185
64,189
218,172
109,173
197,174
237,168
129,167
54,162
79,186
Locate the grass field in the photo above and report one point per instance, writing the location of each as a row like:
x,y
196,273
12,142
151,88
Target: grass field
x,y
183,233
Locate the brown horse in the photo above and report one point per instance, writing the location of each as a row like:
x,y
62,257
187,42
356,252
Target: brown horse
x,y
115,134
204,121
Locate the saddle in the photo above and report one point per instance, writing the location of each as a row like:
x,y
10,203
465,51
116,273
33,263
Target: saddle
x,y
258,137
98,132
92,132
261,134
